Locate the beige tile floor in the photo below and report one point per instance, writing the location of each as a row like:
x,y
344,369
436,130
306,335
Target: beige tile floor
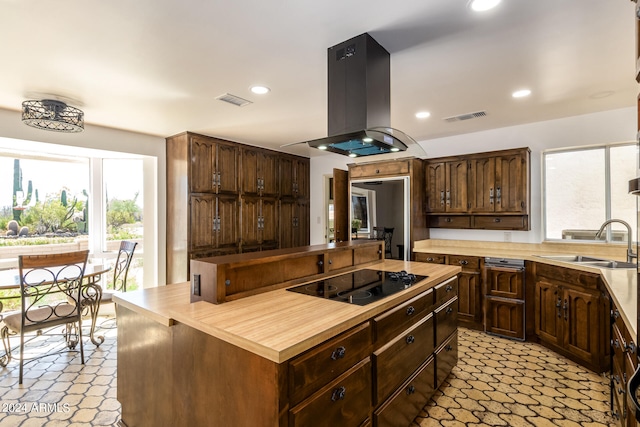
x,y
497,382
500,382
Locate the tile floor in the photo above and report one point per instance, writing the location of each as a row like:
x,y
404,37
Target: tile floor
x,y
500,382
497,382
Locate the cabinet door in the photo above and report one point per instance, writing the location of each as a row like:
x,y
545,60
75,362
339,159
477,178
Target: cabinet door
x,y
202,165
303,224
482,191
227,168
302,179
511,184
227,230
287,215
268,221
469,297
504,317
436,187
201,222
250,172
504,282
268,173
581,323
456,192
250,215
548,312
286,177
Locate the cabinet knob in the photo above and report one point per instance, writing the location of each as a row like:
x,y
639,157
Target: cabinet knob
x,y
330,262
496,220
447,219
449,288
410,310
320,263
338,394
429,259
411,389
449,310
410,339
463,262
616,343
448,347
338,353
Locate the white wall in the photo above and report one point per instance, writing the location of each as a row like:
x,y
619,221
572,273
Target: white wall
x,y
591,129
101,138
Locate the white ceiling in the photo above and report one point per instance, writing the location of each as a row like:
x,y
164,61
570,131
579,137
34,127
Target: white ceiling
x,y
156,66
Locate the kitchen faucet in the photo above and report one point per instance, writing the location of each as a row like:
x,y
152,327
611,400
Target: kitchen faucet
x,y
630,254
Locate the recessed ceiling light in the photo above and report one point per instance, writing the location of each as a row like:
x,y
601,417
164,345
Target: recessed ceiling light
x,y
367,139
423,114
521,93
260,90
482,5
353,155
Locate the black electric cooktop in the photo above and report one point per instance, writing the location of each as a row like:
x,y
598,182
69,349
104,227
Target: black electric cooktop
x,y
360,287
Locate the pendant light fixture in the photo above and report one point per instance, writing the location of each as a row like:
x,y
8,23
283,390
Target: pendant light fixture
x,y
50,114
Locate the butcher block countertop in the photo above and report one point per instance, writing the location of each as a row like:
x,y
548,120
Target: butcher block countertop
x,y
278,324
621,283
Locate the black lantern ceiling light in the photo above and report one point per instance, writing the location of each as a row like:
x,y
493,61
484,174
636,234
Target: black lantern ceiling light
x,y
54,115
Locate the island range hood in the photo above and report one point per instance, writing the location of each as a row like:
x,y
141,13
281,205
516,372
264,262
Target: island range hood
x,y
359,101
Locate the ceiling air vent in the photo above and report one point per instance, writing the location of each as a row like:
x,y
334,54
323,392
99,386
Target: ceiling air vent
x,y
235,100
466,116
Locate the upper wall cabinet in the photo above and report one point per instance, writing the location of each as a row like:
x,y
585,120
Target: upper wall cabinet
x,y
213,166
484,190
259,172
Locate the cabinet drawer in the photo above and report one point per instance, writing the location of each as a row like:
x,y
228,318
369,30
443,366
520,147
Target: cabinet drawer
x,y
380,169
407,402
340,259
446,358
434,259
466,262
318,366
446,320
395,362
449,221
618,345
504,317
500,222
446,290
391,323
345,401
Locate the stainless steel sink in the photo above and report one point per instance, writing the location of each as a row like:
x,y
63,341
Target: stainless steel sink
x,y
590,261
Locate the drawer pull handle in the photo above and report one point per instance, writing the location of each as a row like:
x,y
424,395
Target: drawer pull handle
x,y
631,347
330,262
449,310
338,353
447,220
496,220
411,389
320,263
410,339
449,288
615,314
616,379
410,310
464,262
429,259
338,394
616,343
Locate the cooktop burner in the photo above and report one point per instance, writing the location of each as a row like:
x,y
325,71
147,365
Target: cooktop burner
x,y
360,287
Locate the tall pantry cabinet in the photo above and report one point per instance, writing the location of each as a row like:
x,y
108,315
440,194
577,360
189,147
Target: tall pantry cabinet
x,y
224,198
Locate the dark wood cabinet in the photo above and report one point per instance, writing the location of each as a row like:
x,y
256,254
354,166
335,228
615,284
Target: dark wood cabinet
x,y
447,186
213,166
504,304
207,178
259,172
568,314
482,190
624,358
294,216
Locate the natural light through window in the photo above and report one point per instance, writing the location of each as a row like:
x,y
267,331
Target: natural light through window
x,y
585,187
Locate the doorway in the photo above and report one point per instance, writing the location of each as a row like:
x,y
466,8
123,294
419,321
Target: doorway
x,y
379,208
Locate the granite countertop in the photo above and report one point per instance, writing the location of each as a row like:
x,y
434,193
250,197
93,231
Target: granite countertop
x,y
621,283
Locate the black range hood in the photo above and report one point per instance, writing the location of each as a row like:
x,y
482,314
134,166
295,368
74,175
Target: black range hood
x,y
359,101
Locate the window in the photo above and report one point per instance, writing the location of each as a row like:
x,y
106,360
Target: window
x,y
585,187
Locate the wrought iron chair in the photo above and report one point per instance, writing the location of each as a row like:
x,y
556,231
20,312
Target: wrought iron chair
x,y
378,233
387,236
120,272
51,290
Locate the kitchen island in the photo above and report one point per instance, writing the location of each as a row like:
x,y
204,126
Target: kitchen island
x,y
281,358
